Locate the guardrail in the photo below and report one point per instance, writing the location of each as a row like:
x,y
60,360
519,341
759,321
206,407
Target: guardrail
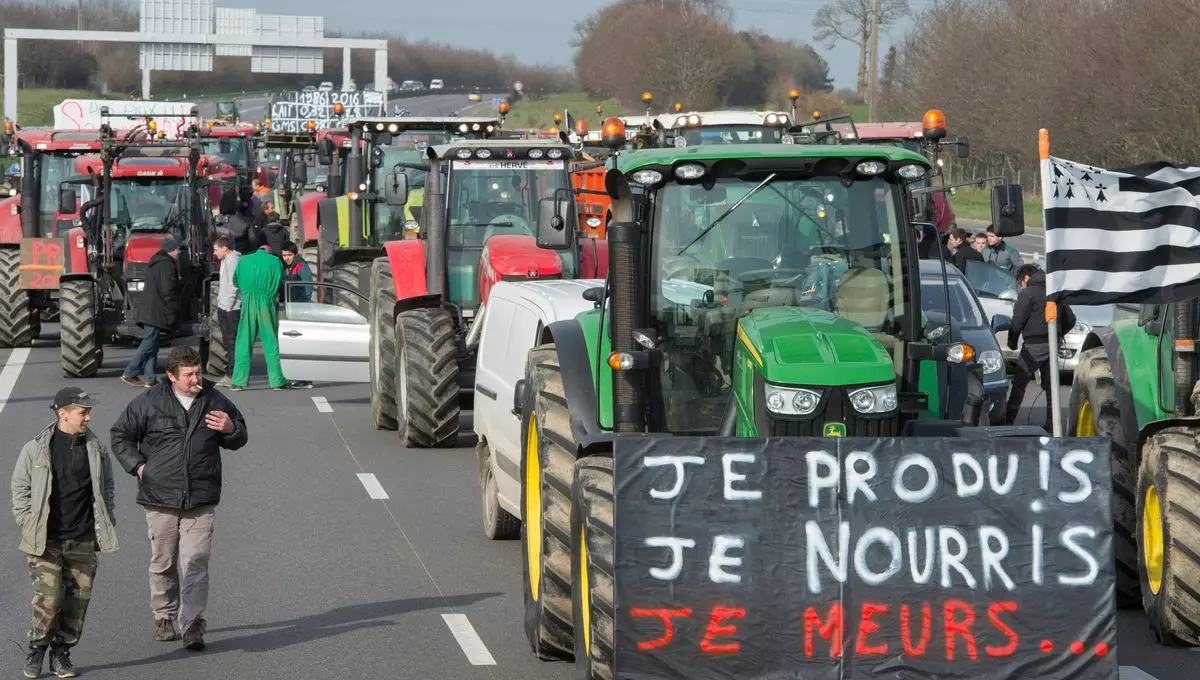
x,y
410,94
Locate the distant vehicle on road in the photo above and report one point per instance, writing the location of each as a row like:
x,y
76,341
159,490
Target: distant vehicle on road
x,y
326,86
309,88
436,84
474,97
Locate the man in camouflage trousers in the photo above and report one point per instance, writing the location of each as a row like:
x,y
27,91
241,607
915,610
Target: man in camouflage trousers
x,y
60,477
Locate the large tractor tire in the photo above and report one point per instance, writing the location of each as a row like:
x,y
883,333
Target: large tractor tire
x,y
1169,535
311,256
592,560
426,367
217,362
383,346
498,523
547,470
80,350
18,323
355,276
1096,413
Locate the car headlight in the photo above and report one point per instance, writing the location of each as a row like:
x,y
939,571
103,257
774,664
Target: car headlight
x,y
992,361
1080,328
791,401
878,399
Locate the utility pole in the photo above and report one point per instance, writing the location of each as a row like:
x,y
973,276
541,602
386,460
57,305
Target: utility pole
x,y
873,71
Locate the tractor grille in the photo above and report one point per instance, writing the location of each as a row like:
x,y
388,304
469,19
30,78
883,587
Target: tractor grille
x,y
136,270
835,408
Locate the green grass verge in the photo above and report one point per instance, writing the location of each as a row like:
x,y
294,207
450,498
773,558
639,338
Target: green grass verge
x,y
975,204
539,113
36,106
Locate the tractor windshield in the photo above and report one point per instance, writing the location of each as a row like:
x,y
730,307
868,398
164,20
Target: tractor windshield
x,y
766,241
232,150
140,204
732,134
55,167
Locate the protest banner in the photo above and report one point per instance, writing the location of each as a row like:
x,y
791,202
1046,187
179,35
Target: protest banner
x,y
292,111
172,118
839,559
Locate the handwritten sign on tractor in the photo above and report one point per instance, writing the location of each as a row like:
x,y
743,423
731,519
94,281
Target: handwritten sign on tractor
x,y
43,261
864,558
292,111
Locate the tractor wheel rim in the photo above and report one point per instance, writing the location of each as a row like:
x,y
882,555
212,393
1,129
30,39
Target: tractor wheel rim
x,y
1085,420
1152,538
533,509
585,604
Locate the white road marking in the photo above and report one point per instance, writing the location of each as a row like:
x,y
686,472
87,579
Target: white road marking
x,y
322,405
12,369
477,653
1134,673
372,485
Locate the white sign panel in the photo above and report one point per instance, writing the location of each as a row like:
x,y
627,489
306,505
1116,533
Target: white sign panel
x,y
510,165
84,114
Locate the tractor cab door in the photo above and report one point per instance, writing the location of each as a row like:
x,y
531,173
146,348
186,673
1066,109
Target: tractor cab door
x,y
322,342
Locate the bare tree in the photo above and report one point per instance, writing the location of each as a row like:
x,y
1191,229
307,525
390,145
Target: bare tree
x,y
850,21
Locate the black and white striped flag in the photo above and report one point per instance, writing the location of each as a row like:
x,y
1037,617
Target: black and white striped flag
x,y
1129,235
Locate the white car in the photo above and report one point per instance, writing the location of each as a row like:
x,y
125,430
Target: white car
x,y
325,86
323,342
512,323
436,84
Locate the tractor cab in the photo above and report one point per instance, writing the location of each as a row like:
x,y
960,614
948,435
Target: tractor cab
x,y
728,127
232,147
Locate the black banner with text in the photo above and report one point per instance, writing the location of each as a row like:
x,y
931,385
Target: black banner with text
x,y
839,559
292,111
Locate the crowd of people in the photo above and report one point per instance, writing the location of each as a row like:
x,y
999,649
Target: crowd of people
x,y
256,261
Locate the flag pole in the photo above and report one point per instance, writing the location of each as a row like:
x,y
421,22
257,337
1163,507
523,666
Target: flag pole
x,y
1051,307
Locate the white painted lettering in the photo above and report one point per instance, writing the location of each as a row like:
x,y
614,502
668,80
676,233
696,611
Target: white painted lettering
x,y
732,494
889,540
857,481
992,558
818,481
676,545
676,461
816,546
1036,540
953,558
907,493
1002,488
1068,538
1070,463
720,559
966,489
926,572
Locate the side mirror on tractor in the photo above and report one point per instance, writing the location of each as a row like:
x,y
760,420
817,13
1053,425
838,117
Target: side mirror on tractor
x,y
325,151
67,199
554,228
299,171
1008,210
962,148
395,188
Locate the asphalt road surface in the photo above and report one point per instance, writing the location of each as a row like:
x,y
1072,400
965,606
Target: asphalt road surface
x,y
337,554
257,106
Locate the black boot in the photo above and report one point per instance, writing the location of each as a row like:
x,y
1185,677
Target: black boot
x,y
60,663
33,661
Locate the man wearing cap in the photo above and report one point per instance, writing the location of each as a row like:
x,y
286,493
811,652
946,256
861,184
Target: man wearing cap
x,y
156,310
59,480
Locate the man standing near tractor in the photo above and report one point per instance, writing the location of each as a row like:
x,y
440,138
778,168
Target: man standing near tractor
x,y
156,315
259,277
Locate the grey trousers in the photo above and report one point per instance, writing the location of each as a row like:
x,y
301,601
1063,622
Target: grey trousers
x,y
180,544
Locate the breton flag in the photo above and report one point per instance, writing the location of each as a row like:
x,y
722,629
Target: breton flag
x,y
1130,235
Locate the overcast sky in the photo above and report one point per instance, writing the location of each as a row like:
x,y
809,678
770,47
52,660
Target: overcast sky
x,y
537,31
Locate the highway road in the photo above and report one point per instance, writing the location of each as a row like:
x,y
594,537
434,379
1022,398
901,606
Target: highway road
x,y
337,553
257,106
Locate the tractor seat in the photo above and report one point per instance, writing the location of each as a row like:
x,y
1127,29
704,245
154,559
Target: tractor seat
x,y
775,296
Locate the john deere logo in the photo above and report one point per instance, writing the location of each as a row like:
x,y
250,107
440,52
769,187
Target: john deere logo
x,y
835,430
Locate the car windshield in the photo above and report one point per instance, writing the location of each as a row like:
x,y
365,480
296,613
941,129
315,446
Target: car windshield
x,y
487,198
234,153
766,241
963,308
732,134
150,205
988,280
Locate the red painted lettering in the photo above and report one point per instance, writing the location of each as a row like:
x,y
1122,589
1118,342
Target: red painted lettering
x,y
955,626
715,628
831,630
906,632
866,626
668,627
994,611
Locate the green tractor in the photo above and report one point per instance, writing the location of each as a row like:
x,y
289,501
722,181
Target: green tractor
x,y
719,318
1147,407
227,113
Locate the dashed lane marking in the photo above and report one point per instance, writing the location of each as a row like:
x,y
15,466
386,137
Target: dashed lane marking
x,y
477,653
322,405
12,369
1134,673
372,485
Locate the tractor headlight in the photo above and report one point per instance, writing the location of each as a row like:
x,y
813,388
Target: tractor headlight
x,y
463,153
911,171
647,177
411,225
689,171
536,153
135,286
871,167
593,222
554,153
878,399
992,361
791,401
483,153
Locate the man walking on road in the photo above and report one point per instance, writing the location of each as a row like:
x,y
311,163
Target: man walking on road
x,y
229,304
258,276
1029,320
155,313
171,437
62,499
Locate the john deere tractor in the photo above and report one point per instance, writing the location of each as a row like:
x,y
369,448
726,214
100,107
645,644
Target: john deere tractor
x,y
1136,383
752,291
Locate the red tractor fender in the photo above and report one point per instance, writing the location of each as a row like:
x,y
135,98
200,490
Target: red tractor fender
x,y
593,258
515,256
10,223
407,258
139,249
76,261
308,218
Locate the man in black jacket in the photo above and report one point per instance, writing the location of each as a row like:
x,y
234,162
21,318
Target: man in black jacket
x,y
155,313
1029,320
170,437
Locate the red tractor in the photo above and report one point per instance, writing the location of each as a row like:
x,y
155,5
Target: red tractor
x,y
140,191
231,156
483,200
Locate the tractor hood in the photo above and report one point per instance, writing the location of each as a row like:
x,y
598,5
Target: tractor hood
x,y
799,346
141,247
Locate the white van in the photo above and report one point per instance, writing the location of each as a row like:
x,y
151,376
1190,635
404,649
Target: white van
x,y
436,84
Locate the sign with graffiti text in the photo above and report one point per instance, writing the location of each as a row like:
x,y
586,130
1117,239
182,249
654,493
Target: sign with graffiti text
x,y
172,118
292,111
856,558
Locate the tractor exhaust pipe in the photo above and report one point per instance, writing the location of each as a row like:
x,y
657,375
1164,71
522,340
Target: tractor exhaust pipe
x,y
354,177
30,170
1184,362
624,242
476,329
433,216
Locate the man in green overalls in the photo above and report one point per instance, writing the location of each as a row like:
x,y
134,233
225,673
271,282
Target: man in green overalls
x,y
258,277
